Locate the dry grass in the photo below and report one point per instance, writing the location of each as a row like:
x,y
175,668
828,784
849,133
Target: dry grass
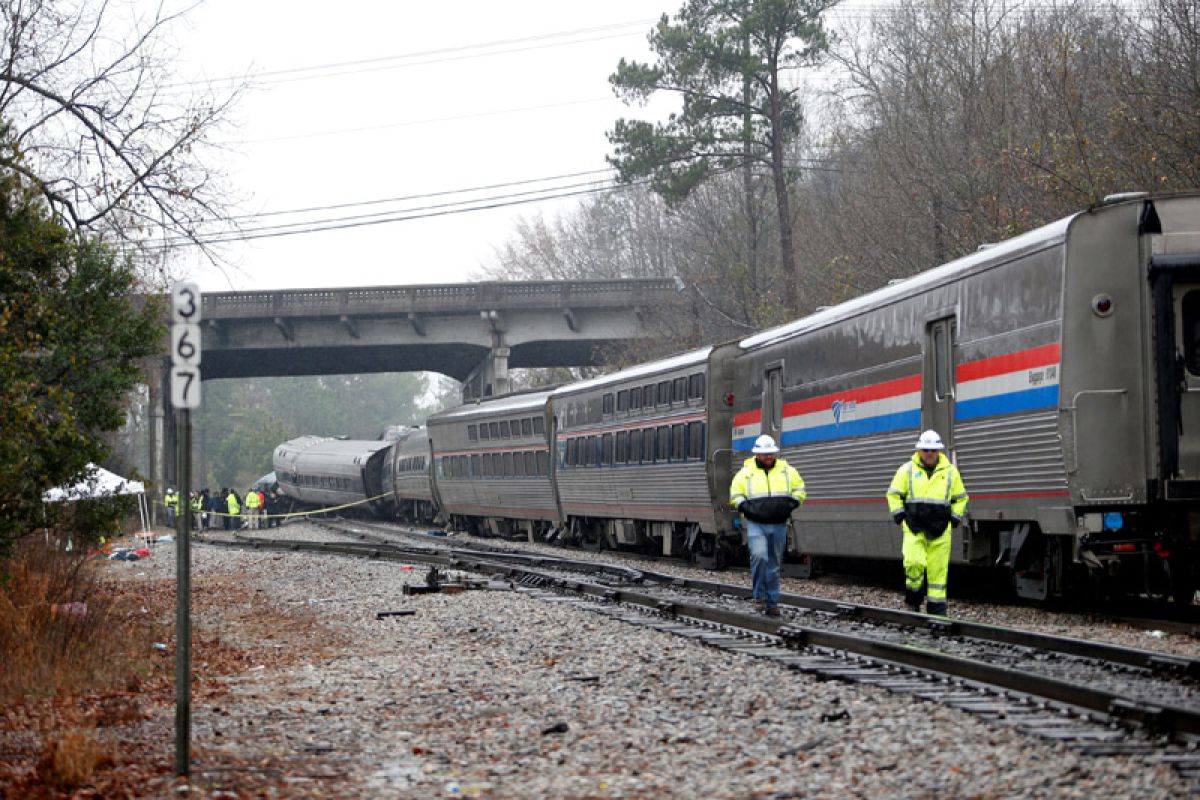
x,y
62,631
71,760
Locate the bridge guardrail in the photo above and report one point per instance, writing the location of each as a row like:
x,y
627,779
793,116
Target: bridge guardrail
x,y
492,295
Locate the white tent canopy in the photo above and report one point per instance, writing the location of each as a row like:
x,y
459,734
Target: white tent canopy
x,y
98,482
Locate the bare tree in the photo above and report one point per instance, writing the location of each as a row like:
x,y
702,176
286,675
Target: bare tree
x,y
96,127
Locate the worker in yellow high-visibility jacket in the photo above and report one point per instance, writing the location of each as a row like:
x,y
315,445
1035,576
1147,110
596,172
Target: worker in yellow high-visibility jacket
x,y
926,499
766,490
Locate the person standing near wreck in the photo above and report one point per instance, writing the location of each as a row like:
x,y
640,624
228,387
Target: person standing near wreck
x,y
766,490
926,499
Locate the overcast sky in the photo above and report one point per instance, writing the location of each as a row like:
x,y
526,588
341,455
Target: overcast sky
x,y
361,101
387,119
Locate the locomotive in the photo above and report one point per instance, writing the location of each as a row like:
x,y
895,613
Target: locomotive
x,y
1061,368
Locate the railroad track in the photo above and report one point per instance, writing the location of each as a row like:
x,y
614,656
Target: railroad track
x,y
1102,699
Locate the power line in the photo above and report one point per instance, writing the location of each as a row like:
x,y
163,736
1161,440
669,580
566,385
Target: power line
x,y
431,56
426,195
402,217
454,203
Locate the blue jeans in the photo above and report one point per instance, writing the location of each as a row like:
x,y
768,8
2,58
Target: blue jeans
x,y
767,543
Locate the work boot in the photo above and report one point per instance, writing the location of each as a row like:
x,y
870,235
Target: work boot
x,y
773,611
937,608
912,600
760,606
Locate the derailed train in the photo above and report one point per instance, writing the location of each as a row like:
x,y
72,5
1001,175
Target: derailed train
x,y
1061,367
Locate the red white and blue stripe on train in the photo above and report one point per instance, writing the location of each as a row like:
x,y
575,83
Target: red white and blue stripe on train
x,y
1022,381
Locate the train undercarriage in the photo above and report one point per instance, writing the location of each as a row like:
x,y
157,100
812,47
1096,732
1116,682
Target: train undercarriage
x,y
1125,555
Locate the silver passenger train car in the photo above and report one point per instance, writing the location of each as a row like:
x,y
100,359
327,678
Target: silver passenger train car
x,y
491,466
1062,369
406,474
642,455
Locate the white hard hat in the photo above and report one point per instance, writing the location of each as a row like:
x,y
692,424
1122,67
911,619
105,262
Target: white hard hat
x,y
764,445
930,441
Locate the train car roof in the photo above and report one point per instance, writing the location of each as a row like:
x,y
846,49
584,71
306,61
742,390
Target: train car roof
x,y
505,404
304,442
641,370
322,446
415,442
1035,239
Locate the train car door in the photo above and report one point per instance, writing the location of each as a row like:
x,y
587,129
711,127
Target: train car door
x,y
772,401
937,386
1176,282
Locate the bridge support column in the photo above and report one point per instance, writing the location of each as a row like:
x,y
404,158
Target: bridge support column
x,y
491,376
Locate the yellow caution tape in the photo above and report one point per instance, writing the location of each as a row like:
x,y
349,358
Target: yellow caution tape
x,y
309,513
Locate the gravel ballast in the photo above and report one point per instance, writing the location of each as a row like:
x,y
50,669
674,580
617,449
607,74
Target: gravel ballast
x,y
498,694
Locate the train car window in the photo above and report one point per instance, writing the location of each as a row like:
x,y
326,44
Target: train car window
x,y
486,464
679,390
772,402
494,429
483,432
592,453
438,463
635,398
696,441
473,433
530,463
572,451
941,362
504,429
607,405
696,386
663,451
679,441
606,449
635,446
518,465
648,396
664,393
1190,306
622,447
527,427
539,426
475,466
623,401
648,445
543,462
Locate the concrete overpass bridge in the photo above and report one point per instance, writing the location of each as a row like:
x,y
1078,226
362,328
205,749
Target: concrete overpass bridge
x,y
474,333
